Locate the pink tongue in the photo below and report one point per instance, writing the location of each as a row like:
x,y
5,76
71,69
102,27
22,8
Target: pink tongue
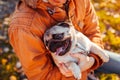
x,y
59,50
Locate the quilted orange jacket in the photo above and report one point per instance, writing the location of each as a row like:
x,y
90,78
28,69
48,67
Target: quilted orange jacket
x,y
28,25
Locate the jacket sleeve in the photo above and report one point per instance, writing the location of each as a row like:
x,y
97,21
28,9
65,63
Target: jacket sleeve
x,y
92,30
31,52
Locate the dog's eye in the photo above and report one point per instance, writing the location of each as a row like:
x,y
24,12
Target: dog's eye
x,y
64,25
58,36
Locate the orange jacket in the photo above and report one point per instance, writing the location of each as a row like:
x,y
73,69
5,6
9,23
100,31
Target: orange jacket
x,y
28,26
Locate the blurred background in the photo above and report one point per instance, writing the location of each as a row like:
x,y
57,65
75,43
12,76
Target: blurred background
x,y
108,12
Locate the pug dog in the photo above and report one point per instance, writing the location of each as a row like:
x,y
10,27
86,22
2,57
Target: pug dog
x,y
62,40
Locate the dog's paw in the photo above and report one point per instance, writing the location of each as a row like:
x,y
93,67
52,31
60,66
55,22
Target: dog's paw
x,y
77,75
75,70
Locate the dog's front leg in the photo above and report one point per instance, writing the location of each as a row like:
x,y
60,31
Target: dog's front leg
x,y
75,69
100,52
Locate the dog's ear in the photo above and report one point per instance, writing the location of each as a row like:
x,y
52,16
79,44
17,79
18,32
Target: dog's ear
x,y
63,24
46,42
46,38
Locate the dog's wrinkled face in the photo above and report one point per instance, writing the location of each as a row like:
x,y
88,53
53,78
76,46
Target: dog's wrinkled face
x,y
58,38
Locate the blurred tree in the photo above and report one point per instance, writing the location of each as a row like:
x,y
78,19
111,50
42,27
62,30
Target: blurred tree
x,y
108,12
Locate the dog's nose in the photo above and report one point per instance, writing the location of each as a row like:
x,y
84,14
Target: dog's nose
x,y
58,36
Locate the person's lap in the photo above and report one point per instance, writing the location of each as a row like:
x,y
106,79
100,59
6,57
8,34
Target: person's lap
x,y
113,66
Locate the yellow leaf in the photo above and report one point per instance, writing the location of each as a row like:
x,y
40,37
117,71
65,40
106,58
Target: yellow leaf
x,y
13,77
8,67
4,61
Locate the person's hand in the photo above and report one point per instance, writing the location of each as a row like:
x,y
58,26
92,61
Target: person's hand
x,y
63,69
85,62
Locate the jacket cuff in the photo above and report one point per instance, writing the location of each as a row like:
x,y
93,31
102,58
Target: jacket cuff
x,y
98,62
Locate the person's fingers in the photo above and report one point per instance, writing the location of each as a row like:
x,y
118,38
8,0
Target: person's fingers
x,y
80,56
66,74
88,64
63,67
64,70
76,55
84,61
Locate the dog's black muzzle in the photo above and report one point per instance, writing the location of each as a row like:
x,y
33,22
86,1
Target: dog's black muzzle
x,y
59,47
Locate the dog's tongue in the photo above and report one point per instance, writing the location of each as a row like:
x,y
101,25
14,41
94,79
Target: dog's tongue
x,y
59,50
